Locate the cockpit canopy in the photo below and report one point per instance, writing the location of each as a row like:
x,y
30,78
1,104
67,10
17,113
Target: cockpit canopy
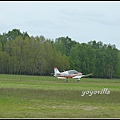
x,y
72,72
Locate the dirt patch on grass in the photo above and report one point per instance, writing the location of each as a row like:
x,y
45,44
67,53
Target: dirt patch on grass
x,y
89,107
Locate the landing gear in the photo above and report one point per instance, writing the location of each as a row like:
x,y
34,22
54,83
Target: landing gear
x,y
78,80
66,79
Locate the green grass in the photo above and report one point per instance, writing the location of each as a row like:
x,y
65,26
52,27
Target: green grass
x,y
23,96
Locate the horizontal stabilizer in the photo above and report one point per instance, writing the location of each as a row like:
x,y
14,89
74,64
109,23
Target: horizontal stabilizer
x,y
61,77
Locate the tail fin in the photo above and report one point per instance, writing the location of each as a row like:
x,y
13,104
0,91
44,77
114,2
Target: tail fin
x,y
56,71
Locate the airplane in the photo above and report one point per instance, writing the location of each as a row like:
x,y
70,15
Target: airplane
x,y
69,74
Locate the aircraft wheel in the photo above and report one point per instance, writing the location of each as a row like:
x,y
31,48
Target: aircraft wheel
x,y
66,80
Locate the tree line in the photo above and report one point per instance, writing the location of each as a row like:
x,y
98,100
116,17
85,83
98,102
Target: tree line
x,y
29,55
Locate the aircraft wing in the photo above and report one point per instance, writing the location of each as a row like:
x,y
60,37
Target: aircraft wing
x,y
78,77
86,75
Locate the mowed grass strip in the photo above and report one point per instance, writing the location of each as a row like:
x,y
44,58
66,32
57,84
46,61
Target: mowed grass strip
x,y
48,97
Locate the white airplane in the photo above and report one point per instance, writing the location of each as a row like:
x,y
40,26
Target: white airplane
x,y
69,74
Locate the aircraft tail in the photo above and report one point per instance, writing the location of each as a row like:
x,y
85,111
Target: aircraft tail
x,y
56,71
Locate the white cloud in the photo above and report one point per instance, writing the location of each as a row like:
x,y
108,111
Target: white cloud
x,y
82,21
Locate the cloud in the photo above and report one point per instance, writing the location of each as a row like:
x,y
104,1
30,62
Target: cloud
x,y
82,21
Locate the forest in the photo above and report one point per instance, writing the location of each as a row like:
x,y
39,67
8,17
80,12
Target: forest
x,y
36,55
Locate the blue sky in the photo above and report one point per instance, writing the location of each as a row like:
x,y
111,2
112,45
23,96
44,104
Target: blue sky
x,y
82,21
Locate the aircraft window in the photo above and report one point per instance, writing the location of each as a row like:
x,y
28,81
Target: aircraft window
x,y
72,72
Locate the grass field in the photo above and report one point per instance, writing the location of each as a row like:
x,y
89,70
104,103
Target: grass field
x,y
23,96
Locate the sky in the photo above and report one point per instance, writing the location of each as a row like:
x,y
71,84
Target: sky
x,y
82,21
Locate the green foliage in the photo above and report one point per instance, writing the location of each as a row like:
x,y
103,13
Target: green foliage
x,y
22,54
